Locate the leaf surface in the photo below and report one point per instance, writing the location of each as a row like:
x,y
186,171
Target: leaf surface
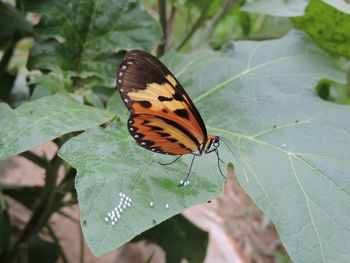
x,y
83,36
5,110
276,7
109,164
328,24
42,120
291,149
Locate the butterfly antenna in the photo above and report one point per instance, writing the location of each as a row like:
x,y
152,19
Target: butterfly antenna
x,y
189,172
244,158
217,154
172,161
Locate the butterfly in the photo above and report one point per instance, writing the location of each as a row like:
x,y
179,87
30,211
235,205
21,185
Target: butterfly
x,y
163,118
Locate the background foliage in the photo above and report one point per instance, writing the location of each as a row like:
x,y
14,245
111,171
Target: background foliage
x,y
274,92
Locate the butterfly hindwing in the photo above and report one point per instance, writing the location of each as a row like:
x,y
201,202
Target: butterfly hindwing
x,y
161,135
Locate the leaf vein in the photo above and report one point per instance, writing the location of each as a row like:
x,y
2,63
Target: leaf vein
x,y
308,208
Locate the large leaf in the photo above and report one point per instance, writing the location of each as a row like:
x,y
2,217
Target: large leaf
x,y
292,149
329,27
276,7
82,35
42,120
5,110
109,163
291,145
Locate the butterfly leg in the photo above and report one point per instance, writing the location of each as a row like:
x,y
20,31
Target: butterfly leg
x,y
189,172
177,158
217,154
220,159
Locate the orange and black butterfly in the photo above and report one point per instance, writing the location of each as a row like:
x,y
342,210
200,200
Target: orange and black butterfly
x,y
163,118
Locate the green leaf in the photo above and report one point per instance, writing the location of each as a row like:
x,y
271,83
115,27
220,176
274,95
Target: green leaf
x,y
54,82
179,238
5,110
83,36
327,26
292,147
42,120
94,100
341,5
109,162
292,150
276,7
208,6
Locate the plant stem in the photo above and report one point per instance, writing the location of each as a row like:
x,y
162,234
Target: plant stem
x,y
223,12
69,217
40,161
6,58
259,22
45,207
195,26
56,240
163,22
170,24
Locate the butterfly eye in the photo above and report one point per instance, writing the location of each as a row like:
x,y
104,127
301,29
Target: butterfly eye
x,y
216,142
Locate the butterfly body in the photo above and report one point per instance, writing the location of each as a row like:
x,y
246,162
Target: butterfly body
x,y
163,118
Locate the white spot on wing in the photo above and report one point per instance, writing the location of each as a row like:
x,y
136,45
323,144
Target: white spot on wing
x,y
123,67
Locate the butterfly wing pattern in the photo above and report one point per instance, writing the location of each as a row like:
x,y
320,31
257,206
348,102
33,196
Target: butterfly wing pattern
x,y
163,118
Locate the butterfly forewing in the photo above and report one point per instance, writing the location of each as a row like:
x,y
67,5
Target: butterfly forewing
x,y
148,88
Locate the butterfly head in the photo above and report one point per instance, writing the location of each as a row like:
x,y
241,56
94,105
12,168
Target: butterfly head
x,y
211,144
216,141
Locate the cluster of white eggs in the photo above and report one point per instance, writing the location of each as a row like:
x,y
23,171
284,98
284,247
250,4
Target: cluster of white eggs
x,y
114,215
